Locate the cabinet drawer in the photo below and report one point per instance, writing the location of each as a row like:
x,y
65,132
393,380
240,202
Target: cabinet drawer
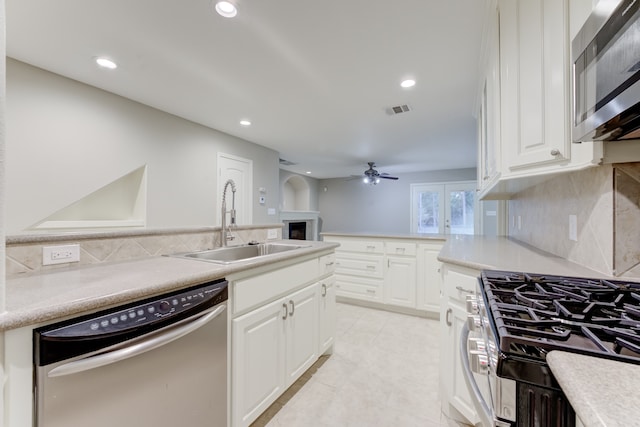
x,y
459,282
400,248
360,265
326,264
265,287
365,246
359,288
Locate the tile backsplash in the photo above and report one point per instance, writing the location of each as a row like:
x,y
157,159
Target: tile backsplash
x,y
606,203
24,252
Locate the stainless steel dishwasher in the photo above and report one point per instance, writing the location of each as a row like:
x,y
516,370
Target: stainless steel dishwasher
x,y
157,362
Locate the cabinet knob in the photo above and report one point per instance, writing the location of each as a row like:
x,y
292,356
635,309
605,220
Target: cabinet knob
x,y
555,152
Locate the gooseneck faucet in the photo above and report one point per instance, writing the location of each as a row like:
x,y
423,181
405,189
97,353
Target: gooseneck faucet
x,y
223,232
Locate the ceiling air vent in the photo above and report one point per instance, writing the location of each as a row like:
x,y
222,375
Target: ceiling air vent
x,y
287,162
398,109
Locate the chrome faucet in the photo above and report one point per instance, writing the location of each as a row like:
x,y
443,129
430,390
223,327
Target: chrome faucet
x,y
223,232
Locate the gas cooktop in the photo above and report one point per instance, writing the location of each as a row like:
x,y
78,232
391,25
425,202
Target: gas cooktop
x,y
531,314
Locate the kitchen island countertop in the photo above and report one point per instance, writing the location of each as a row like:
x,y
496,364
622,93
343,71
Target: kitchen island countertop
x,y
601,391
47,296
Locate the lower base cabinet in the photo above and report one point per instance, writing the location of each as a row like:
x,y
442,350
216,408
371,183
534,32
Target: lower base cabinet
x,y
458,282
272,347
327,314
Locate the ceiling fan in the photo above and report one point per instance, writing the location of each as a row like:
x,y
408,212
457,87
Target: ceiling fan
x,y
372,176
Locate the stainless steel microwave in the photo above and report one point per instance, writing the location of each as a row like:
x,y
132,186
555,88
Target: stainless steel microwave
x,y
606,73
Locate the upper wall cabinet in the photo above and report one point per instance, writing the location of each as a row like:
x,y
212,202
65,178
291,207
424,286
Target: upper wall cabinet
x,y
489,109
528,117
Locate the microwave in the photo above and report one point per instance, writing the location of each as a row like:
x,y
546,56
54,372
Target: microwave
x,y
606,73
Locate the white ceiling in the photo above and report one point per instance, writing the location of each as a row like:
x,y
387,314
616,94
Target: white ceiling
x,y
314,77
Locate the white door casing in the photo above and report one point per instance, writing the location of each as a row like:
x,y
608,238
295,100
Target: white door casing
x,y
240,170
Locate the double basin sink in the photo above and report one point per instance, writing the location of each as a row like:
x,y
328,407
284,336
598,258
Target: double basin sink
x,y
231,254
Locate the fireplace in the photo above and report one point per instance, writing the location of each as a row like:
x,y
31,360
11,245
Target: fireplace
x,y
300,225
298,230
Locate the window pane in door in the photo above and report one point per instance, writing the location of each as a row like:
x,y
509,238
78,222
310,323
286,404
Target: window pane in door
x,y
461,210
428,212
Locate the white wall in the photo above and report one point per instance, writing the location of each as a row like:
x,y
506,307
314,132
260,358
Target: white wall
x,y
287,192
352,206
66,139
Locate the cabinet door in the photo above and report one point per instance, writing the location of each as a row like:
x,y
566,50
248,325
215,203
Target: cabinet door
x,y
429,279
534,57
458,282
461,397
327,304
302,332
489,160
258,366
400,281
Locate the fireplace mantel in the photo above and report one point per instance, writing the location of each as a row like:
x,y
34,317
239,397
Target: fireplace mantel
x,y
310,217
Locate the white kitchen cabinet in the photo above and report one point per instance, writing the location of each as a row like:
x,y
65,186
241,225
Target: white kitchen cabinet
x,y
301,335
429,277
400,281
458,282
258,368
272,347
327,314
489,149
388,272
525,115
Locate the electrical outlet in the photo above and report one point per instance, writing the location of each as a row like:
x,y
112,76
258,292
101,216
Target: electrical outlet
x,y
272,233
60,254
573,228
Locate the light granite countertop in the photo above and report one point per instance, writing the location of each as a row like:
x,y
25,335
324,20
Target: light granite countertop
x,y
378,235
43,297
502,253
603,392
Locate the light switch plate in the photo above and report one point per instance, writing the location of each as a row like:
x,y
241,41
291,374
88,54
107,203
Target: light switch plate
x,y
272,233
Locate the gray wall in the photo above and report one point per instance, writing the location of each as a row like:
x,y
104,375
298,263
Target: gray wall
x,y
351,206
66,139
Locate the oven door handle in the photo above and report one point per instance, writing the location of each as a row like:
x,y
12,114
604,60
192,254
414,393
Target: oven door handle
x,y
148,342
484,411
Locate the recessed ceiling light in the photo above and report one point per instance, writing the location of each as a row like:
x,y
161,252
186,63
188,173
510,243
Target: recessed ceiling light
x,y
226,9
245,122
308,172
408,83
106,63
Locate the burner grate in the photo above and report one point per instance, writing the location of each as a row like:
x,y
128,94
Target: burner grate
x,y
534,313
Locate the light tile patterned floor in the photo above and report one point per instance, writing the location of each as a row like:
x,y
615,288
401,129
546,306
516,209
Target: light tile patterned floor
x,y
383,372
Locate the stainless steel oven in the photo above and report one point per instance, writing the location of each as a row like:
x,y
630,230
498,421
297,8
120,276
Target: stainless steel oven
x,y
157,362
606,73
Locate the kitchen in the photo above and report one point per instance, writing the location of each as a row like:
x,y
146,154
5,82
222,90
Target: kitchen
x,y
118,142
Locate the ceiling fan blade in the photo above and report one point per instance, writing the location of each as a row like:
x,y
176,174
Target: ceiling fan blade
x,y
388,177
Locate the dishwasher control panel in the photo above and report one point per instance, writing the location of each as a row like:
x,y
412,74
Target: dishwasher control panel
x,y
142,313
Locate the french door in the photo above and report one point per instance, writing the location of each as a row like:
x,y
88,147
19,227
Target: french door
x,y
444,208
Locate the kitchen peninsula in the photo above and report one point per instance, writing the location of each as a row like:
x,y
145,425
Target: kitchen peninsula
x,y
42,297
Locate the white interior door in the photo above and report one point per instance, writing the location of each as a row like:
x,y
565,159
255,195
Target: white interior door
x,y
240,170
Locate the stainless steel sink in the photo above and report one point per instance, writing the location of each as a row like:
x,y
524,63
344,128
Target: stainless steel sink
x,y
231,254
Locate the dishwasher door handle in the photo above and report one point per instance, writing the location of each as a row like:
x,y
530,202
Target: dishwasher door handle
x,y
153,341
